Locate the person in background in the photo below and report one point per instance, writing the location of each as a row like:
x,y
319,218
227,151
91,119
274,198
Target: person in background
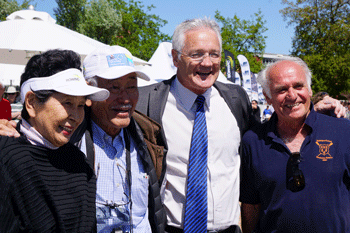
x,y
267,113
46,183
295,167
256,110
16,107
5,107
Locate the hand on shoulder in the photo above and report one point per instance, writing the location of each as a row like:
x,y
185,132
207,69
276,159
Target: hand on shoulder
x,y
8,128
330,104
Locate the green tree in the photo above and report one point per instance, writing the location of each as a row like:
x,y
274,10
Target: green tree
x,y
101,22
9,6
321,26
244,37
114,22
322,39
70,13
140,30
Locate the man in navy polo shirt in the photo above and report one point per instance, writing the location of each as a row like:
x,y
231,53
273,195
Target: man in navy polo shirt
x,y
295,167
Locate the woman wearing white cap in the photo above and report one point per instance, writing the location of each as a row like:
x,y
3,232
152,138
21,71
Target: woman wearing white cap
x,y
46,184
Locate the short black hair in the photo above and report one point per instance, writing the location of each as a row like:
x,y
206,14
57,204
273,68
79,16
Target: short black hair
x,y
50,63
47,64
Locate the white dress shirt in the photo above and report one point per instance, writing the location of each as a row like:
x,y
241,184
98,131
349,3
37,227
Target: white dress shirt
x,y
223,157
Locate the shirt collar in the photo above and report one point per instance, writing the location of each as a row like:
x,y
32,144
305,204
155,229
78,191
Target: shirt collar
x,y
187,97
272,123
103,139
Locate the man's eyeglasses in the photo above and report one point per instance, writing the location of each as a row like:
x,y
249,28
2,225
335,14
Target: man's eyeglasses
x,y
215,57
295,177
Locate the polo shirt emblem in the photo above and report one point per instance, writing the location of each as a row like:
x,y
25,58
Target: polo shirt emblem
x,y
324,149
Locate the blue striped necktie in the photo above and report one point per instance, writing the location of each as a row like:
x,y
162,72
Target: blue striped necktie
x,y
196,210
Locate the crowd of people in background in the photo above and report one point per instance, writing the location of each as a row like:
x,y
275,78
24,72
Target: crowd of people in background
x,y
93,152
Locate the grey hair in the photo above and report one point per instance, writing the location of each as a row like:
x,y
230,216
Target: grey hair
x,y
178,40
264,79
93,81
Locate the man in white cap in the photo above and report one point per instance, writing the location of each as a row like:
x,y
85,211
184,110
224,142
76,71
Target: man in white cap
x,y
128,196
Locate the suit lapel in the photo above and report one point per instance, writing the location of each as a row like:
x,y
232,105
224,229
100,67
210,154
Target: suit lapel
x,y
157,100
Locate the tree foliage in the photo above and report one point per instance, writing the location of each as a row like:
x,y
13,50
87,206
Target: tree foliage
x,y
9,6
70,13
101,22
322,39
140,30
244,37
114,22
322,26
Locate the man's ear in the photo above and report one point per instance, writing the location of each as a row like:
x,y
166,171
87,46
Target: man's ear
x,y
174,53
268,100
31,103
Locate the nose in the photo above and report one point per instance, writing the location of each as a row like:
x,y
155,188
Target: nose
x,y
123,96
291,93
206,60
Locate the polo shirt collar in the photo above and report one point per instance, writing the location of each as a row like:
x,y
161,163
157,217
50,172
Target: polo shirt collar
x,y
271,124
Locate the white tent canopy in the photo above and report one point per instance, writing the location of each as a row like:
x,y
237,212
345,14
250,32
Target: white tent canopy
x,y
10,74
35,31
28,32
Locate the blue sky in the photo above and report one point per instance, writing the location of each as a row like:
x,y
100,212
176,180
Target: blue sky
x,y
279,36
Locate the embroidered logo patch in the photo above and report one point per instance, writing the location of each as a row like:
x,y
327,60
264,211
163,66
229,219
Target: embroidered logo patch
x,y
324,149
119,59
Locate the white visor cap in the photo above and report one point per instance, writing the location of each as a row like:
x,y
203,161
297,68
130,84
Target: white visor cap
x,y
111,62
69,82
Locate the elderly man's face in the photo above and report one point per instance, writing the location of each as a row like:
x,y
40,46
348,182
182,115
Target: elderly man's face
x,y
198,76
114,113
290,93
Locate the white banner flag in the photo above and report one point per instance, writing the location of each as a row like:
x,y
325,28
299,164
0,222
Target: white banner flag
x,y
245,68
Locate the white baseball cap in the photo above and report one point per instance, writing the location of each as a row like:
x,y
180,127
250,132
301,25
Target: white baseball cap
x,y
110,62
69,82
11,90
